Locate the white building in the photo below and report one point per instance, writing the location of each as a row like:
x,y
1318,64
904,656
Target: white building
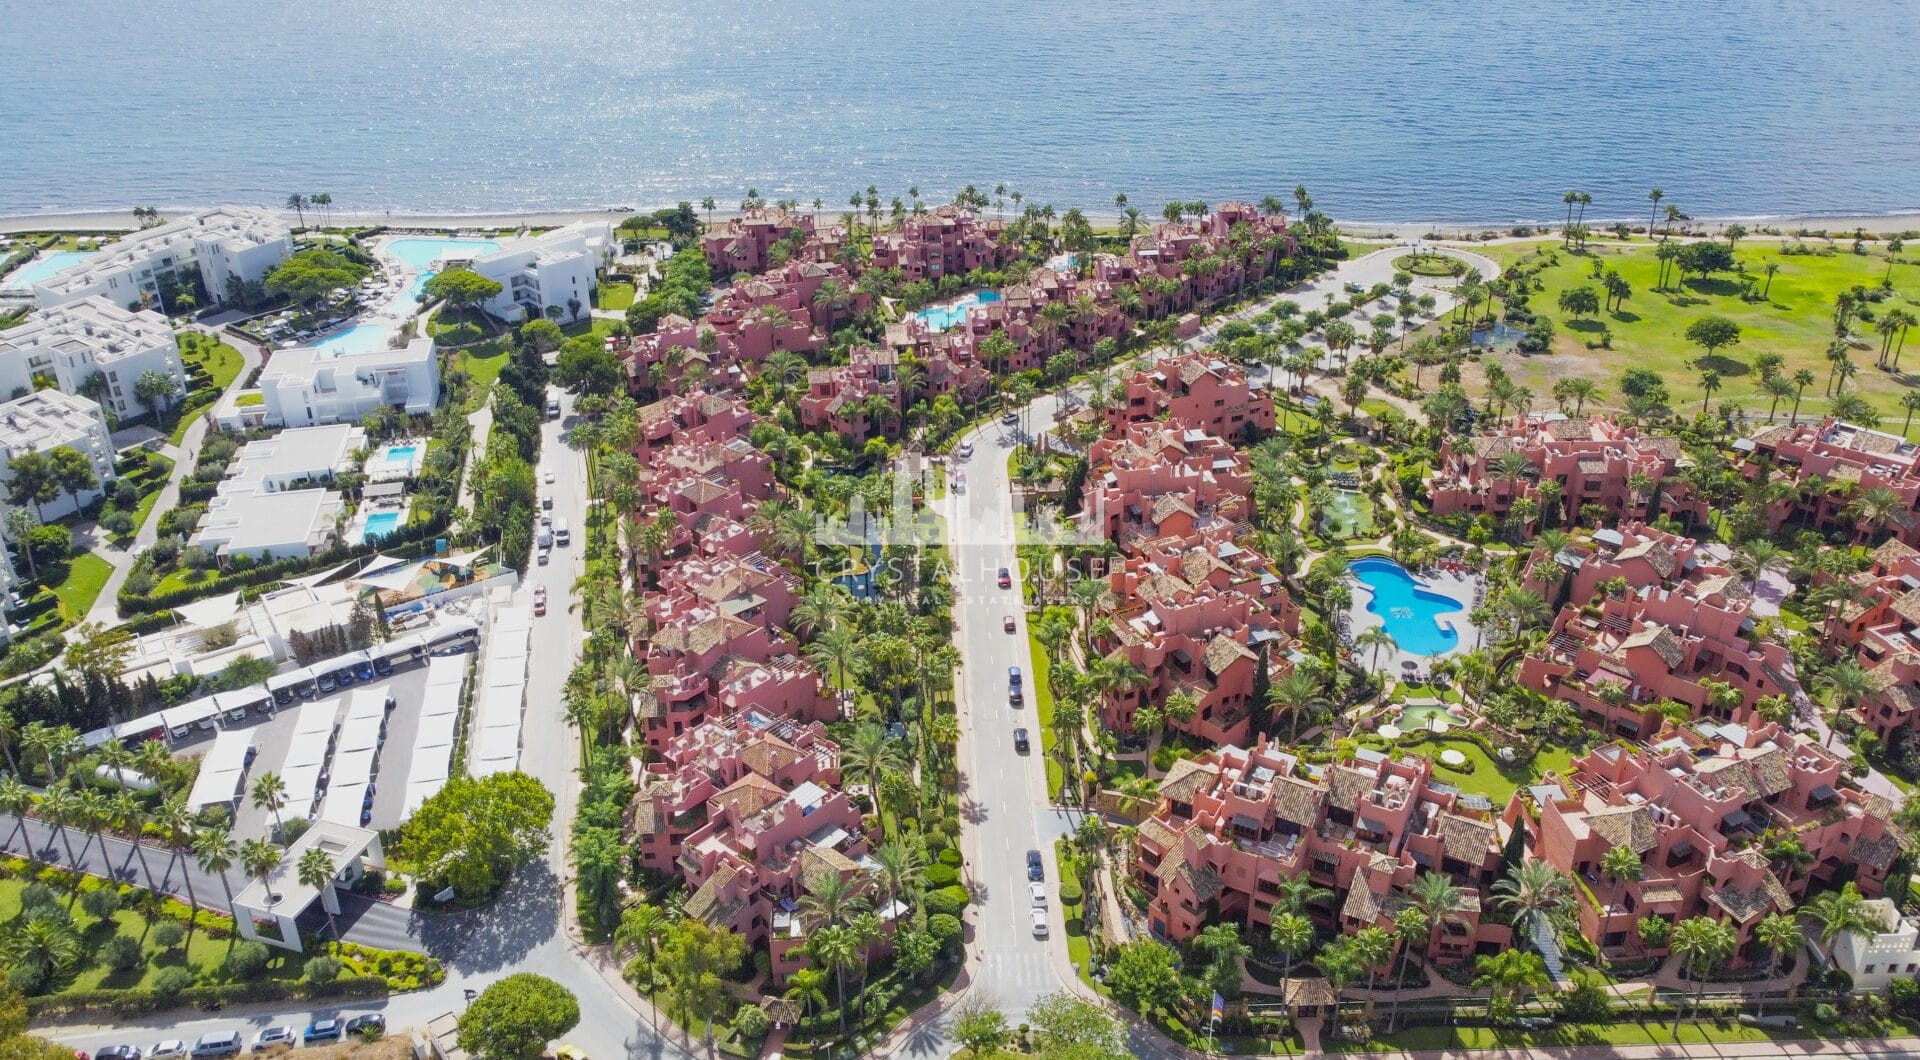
x,y
559,268
44,421
305,386
270,525
293,459
1890,952
74,340
227,243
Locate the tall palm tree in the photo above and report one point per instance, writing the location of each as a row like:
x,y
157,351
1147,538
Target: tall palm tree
x,y
270,794
901,870
1409,924
175,822
259,857
1532,889
1781,935
1375,638
1293,936
59,809
16,799
1621,865
831,899
1847,683
1438,896
94,812
316,870
834,948
1508,972
1295,695
1837,912
1371,947
640,929
216,852
1701,943
130,815
808,987
10,728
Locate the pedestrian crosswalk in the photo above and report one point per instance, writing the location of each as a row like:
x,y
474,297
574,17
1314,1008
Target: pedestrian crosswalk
x,y
1015,979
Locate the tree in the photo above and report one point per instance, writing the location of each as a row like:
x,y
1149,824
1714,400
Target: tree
x,y
298,204
155,387
308,276
980,1027
1781,935
1293,936
586,366
1701,943
461,289
694,958
1531,889
516,1017
475,831
259,857
214,850
316,870
270,794
1712,333
1837,912
1146,975
31,482
1508,972
1621,865
99,652
641,927
1066,1027
1579,301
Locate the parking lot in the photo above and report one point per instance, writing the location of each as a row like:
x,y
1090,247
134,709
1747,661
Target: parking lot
x,y
271,735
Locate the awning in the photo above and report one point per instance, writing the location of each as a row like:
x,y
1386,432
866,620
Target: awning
x,y
1822,794
213,611
1736,819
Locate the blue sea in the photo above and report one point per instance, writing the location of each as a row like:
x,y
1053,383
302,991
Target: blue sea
x,y
1389,110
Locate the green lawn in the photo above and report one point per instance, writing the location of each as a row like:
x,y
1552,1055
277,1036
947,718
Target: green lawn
x,y
202,953
1496,781
482,363
595,326
1043,710
86,575
221,361
1795,321
616,296
1624,1031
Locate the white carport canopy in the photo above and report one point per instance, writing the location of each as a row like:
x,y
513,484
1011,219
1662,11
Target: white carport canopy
x,y
223,770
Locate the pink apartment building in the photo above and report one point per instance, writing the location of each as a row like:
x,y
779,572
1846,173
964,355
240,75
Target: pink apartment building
x,y
741,244
689,419
944,241
1595,461
1193,390
1234,824
840,401
1817,458
1693,803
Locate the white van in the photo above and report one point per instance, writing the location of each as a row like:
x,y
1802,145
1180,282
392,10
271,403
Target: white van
x,y
560,535
543,537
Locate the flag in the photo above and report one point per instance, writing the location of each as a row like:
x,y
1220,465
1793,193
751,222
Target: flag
x,y
1219,1005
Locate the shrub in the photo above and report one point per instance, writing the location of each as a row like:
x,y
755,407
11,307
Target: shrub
x,y
37,895
942,876
950,857
1070,893
120,953
944,927
169,981
100,903
27,978
752,1022
321,970
246,959
168,934
949,900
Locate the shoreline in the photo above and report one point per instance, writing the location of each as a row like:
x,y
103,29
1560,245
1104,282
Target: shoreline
x,y
122,221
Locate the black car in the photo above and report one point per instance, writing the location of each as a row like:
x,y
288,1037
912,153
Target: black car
x,y
359,1024
382,667
1036,870
118,1052
1020,741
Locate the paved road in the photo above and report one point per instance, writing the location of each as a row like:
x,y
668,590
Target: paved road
x,y
1003,795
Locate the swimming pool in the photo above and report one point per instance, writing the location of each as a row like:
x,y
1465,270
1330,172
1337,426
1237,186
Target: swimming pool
x,y
39,269
397,461
942,317
379,525
1413,615
420,252
359,338
1415,716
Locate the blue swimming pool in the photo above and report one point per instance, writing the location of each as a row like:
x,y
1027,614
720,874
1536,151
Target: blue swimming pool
x,y
34,271
401,453
942,317
379,525
420,252
1413,615
359,338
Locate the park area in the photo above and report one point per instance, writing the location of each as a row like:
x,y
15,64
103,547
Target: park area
x,y
1780,292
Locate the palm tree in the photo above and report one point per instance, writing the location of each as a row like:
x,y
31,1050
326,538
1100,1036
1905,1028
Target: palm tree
x,y
830,900
1409,924
1506,973
1371,947
44,944
130,814
1295,695
1292,935
834,948
316,870
902,869
1709,382
1532,889
270,794
1875,508
1438,896
1846,684
1781,935
1701,944
215,851
298,204
1621,865
1910,401
1654,197
259,857
868,754
640,929
1802,379
837,649
1376,638
175,822
59,809
1837,912
10,728
93,811
808,987
16,798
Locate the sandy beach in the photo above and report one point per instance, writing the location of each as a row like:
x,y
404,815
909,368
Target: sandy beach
x,y
122,220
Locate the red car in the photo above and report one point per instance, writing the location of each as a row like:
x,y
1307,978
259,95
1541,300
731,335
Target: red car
x,y
539,599
1007,624
1006,580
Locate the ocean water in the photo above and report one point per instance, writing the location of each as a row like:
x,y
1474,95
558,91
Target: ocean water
x,y
1442,110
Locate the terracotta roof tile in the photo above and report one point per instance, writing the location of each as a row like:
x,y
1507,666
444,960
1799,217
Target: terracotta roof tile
x,y
1204,883
747,796
1466,838
1157,832
1297,801
1893,552
1661,640
710,903
1188,778
1625,826
1345,786
1223,651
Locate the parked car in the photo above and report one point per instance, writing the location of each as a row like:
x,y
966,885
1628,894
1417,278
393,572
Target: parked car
x,y
543,556
1036,869
1039,923
1006,580
360,1024
217,1044
1781,1021
118,1052
1038,893
326,682
1007,623
167,1050
364,671
1013,676
274,1040
1020,743
344,677
382,666
546,502
327,1030
546,476
1014,698
1532,1023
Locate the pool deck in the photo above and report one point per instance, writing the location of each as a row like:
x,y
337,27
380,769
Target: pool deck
x,y
1459,586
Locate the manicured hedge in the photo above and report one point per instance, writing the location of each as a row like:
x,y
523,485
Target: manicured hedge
x,y
140,1002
